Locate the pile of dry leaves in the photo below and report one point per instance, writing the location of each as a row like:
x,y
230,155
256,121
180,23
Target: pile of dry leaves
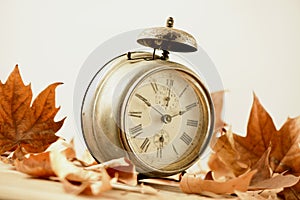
x,y
28,131
265,160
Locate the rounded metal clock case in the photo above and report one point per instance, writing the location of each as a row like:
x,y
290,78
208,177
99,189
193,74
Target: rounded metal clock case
x,y
156,112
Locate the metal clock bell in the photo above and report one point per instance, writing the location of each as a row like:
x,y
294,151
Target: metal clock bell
x,y
148,106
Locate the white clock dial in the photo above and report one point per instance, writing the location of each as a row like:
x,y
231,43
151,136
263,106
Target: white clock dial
x,y
163,119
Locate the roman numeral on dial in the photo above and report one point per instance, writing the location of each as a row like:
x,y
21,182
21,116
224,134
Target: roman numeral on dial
x,y
170,83
154,86
137,130
186,138
189,107
159,152
144,146
135,114
193,123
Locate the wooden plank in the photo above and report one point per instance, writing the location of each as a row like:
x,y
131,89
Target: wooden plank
x,y
15,185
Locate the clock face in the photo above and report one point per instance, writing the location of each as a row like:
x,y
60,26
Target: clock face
x,y
164,119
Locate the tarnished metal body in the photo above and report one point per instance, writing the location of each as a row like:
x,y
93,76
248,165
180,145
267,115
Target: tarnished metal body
x,y
102,111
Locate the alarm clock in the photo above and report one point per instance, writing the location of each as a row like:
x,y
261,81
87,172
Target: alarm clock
x,y
148,104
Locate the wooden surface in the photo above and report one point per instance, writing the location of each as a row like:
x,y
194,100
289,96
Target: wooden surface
x,y
15,186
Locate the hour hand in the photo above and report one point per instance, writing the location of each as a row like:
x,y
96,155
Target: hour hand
x,y
168,98
143,99
179,113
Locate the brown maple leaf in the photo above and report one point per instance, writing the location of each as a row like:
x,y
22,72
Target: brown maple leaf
x,y
260,130
239,154
24,127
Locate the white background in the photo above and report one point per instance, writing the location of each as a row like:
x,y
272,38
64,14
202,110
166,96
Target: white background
x,y
255,45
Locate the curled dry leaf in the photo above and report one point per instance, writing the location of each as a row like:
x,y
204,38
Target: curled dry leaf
x,y
125,171
87,158
219,168
77,179
65,169
262,166
191,184
37,165
25,128
88,187
66,147
227,156
121,168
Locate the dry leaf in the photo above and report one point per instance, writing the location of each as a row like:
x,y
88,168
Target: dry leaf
x,y
87,158
65,169
37,165
88,187
23,127
121,168
262,166
225,152
77,179
260,130
285,154
66,147
192,184
276,182
219,168
125,171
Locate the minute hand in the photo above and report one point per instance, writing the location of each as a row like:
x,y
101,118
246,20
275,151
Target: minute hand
x,y
143,99
147,103
189,107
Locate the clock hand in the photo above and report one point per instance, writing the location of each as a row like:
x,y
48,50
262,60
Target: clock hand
x,y
188,107
143,99
157,110
161,139
168,97
179,113
161,145
147,103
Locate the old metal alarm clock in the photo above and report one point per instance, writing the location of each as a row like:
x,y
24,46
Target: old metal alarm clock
x,y
149,105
